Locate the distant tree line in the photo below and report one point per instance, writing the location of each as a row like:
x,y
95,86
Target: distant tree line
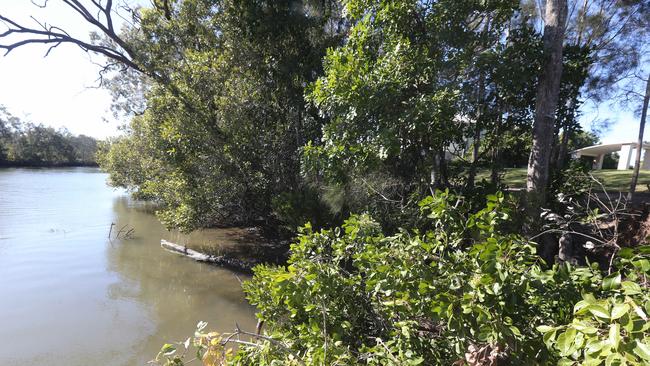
x,y
29,144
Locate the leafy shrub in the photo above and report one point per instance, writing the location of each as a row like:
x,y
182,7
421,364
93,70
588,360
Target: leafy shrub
x,y
355,296
459,291
609,326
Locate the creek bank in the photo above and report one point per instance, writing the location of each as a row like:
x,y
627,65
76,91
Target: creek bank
x,y
219,260
238,249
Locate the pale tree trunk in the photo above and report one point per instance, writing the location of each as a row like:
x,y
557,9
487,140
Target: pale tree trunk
x,y
562,150
480,101
561,160
438,177
546,105
496,151
476,144
639,145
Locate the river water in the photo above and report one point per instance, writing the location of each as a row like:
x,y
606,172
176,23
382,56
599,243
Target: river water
x,y
70,296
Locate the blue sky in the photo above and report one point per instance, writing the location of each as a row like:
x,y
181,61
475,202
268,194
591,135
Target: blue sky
x,y
58,90
625,125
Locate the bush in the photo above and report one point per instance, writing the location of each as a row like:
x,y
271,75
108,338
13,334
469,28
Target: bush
x,y
609,326
458,292
417,298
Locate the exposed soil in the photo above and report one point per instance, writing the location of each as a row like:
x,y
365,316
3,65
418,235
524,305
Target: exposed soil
x,y
635,230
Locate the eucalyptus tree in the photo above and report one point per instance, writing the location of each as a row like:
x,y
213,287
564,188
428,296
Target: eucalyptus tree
x,y
609,34
548,90
640,142
613,34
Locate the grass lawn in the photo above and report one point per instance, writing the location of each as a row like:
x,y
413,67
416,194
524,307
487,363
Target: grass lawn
x,y
613,180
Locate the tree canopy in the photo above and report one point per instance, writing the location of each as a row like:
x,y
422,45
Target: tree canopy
x,y
370,121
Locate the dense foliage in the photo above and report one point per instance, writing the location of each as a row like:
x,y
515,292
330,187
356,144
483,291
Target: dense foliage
x,y
275,113
219,141
27,144
397,94
278,113
462,291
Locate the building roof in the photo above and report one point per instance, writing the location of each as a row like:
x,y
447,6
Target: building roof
x,y
602,149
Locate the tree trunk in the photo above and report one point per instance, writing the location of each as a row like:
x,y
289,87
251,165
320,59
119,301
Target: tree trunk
x,y
439,178
554,150
496,152
639,146
562,151
546,106
476,144
480,100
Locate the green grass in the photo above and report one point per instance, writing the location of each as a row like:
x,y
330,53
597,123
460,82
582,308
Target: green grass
x,y
613,180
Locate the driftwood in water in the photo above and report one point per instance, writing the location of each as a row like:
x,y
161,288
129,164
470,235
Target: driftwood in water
x,y
220,260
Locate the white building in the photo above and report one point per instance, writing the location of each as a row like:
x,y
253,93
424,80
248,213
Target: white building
x,y
625,151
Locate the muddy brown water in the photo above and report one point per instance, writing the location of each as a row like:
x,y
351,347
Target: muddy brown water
x,y
70,296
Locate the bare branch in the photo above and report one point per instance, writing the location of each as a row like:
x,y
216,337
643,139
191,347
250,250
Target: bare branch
x,y
55,36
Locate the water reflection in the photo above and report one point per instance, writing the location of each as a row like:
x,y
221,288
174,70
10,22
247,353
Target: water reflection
x,y
177,291
70,296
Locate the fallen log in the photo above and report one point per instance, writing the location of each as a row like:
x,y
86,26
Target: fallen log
x,y
220,260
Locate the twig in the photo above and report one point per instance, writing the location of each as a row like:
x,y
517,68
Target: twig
x,y
568,232
239,331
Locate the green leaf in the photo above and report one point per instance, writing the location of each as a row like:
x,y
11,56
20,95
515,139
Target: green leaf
x,y
614,359
582,327
565,340
594,347
614,335
630,288
168,349
598,311
626,253
405,331
423,287
545,328
643,265
515,331
612,282
580,305
642,350
549,338
579,341
619,310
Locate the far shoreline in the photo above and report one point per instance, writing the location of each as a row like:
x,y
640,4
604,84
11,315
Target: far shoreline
x,y
48,165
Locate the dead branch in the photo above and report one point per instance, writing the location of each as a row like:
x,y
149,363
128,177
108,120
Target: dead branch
x,y
99,15
125,232
238,331
18,35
